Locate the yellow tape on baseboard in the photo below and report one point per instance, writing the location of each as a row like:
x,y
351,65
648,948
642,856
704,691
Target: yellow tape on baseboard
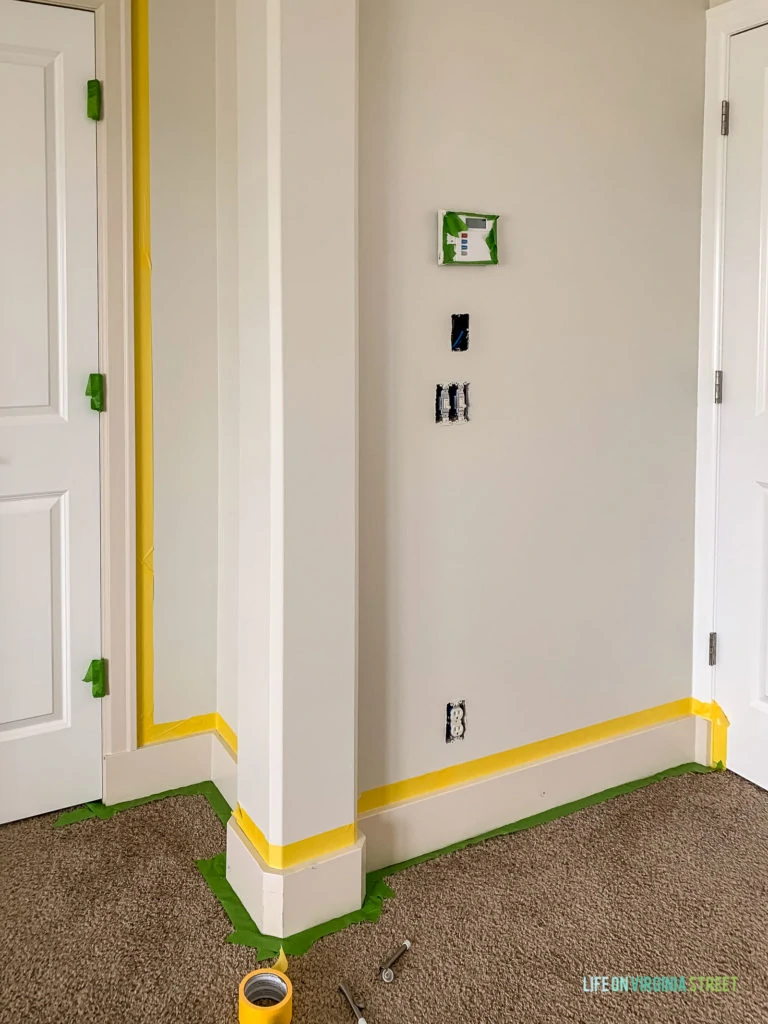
x,y
470,771
266,995
283,857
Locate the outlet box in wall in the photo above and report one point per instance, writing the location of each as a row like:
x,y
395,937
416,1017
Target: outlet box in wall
x,y
455,721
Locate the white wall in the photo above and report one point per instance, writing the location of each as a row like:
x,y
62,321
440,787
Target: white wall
x,y
229,383
194,323
538,561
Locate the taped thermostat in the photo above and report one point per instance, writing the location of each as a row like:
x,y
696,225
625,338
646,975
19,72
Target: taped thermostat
x,y
266,995
467,238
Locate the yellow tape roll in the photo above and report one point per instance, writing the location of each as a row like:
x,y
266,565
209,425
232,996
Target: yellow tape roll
x,y
266,997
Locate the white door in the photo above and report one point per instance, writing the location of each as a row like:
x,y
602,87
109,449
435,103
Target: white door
x,y
50,724
741,601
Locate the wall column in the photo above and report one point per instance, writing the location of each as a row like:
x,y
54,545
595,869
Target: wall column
x,y
293,854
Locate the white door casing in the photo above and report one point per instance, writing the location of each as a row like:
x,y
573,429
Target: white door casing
x,y
50,601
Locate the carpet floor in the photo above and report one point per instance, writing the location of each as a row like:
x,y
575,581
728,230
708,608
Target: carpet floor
x,y
110,921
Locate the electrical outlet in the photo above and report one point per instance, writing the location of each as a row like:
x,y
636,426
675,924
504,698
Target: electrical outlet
x,y
455,721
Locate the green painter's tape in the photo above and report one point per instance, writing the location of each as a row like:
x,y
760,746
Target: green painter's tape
x,y
93,107
551,815
97,677
246,933
376,889
95,391
454,223
97,809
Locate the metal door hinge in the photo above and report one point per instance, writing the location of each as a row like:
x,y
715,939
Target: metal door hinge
x,y
93,101
718,387
725,118
713,648
96,392
97,677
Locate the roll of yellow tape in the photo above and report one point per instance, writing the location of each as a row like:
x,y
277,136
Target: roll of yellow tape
x,y
266,997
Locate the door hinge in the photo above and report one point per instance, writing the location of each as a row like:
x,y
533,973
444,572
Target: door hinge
x,y
718,387
713,648
96,391
93,101
725,118
97,677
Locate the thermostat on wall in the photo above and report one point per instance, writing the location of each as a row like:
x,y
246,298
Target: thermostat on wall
x,y
467,238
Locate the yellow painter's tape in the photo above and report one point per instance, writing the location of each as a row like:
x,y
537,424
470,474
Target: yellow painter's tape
x,y
507,760
283,857
142,304
266,985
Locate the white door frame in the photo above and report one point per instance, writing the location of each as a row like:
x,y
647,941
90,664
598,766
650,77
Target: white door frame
x,y
723,22
115,241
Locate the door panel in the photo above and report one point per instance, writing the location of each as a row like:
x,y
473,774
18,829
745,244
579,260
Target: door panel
x,y
741,674
50,573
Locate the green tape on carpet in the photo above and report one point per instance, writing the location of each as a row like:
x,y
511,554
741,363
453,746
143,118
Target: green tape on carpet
x,y
267,946
376,890
551,815
97,809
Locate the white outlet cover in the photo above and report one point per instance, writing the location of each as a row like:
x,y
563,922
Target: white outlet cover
x,y
455,721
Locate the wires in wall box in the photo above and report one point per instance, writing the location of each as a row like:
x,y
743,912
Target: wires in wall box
x,y
459,332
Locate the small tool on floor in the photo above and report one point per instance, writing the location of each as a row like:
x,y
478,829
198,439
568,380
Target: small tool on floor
x,y
357,1009
385,970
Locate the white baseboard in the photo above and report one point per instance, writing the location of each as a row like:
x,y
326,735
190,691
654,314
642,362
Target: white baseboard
x,y
289,901
153,769
224,769
411,828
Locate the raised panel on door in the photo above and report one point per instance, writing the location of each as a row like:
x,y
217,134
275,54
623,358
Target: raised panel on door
x,y
33,626
30,293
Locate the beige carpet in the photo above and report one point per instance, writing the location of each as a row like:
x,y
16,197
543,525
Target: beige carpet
x,y
110,921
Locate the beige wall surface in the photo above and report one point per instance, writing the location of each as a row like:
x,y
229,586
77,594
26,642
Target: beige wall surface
x,y
184,354
227,237
537,562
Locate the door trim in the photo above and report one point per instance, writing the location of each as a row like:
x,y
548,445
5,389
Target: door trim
x,y
115,291
723,22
